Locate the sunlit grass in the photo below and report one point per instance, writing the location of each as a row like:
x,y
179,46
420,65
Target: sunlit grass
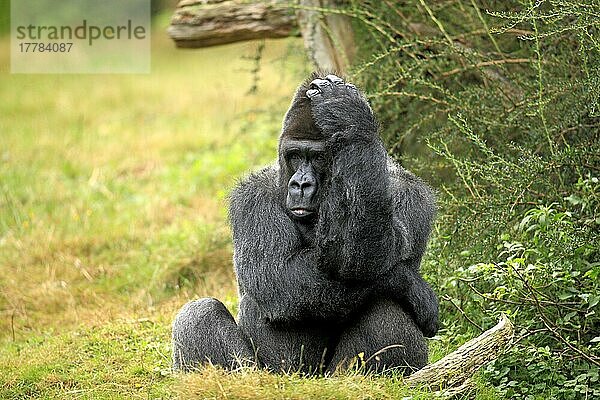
x,y
251,383
126,359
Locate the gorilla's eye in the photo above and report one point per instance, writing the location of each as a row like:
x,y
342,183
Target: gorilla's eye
x,y
294,159
319,159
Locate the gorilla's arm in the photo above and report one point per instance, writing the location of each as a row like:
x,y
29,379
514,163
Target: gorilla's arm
x,y
375,219
414,210
422,303
272,267
355,229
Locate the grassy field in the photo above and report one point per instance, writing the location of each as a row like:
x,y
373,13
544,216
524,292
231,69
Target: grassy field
x,y
112,216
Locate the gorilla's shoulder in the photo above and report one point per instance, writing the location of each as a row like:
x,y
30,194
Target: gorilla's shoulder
x,y
403,182
258,182
255,189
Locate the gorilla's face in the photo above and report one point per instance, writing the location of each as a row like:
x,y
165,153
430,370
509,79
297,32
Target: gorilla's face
x,y
306,164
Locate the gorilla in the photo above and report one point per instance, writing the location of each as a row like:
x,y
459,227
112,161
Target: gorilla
x,y
327,250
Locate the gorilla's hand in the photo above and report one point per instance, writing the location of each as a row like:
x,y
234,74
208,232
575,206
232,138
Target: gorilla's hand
x,y
329,86
407,287
424,307
339,109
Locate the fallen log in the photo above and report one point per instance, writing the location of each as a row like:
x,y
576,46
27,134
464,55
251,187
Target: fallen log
x,y
452,374
203,23
328,37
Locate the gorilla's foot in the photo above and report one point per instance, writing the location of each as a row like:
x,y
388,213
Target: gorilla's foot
x,y
204,331
383,338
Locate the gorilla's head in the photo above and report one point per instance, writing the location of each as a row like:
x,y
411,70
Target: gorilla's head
x,y
303,158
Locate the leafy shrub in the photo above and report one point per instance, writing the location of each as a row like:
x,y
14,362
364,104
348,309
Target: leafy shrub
x,y
498,105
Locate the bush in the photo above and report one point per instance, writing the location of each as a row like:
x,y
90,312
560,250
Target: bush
x,y
498,105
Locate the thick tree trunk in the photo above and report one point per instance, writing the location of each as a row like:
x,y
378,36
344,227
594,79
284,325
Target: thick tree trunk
x,y
328,37
451,374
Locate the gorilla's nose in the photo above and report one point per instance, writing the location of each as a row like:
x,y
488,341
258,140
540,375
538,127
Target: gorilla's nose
x,y
302,186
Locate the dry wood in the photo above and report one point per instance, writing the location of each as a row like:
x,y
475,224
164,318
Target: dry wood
x,y
202,23
451,374
328,37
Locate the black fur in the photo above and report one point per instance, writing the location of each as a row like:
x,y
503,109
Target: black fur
x,y
313,295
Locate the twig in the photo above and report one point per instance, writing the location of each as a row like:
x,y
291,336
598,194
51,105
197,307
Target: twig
x,y
487,64
376,354
408,94
529,333
566,305
485,296
12,325
437,22
447,298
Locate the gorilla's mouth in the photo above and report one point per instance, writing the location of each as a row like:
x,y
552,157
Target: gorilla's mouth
x,y
301,212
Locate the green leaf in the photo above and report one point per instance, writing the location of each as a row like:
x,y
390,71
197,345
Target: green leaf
x,y
565,296
593,301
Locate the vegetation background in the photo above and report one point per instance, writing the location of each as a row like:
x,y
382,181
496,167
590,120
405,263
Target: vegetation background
x,y
113,188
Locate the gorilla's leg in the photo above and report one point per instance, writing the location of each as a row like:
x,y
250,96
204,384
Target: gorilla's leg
x,y
387,337
285,348
205,331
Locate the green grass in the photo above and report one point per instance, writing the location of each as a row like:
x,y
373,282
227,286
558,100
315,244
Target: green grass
x,y
122,359
112,216
109,183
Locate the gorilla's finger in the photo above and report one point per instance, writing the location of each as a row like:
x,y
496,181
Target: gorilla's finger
x,y
324,86
319,83
310,93
337,85
351,86
334,79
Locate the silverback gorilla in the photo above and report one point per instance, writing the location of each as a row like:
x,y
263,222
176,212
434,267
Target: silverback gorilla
x,y
327,251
